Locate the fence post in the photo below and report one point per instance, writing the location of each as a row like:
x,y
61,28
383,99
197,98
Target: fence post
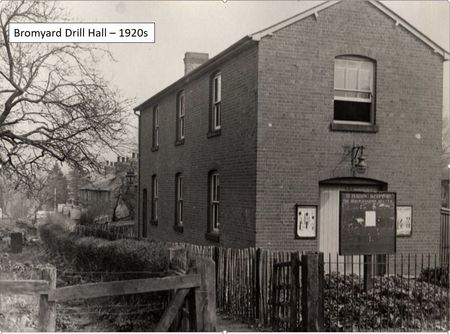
x,y
368,280
47,309
205,296
295,270
257,285
312,292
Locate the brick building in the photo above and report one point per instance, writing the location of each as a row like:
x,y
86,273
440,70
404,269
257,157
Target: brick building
x,y
276,118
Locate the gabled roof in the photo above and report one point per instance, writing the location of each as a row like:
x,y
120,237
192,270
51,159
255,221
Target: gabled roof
x,y
377,4
255,37
102,183
405,24
298,17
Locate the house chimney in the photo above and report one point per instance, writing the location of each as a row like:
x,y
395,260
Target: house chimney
x,y
192,60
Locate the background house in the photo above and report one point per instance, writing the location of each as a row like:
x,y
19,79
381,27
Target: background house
x,y
113,192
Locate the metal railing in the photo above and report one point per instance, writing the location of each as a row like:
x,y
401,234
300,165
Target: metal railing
x,y
403,292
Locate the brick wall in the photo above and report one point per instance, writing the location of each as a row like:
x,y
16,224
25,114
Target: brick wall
x,y
296,148
233,154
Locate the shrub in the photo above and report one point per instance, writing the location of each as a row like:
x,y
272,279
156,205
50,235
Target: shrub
x,y
87,217
94,254
438,276
394,303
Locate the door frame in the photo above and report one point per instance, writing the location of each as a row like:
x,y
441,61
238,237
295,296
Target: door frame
x,y
354,181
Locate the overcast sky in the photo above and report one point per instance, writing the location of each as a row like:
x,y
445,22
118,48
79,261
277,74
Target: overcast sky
x,y
141,70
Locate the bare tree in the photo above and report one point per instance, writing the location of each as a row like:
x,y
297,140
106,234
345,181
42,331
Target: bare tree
x,y
54,105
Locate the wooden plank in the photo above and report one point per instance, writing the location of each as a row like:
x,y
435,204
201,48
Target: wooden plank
x,y
47,308
117,288
24,287
172,310
264,302
312,292
295,273
190,299
210,320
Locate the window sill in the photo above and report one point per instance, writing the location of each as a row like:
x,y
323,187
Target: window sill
x,y
155,148
371,128
212,236
213,133
154,222
178,228
179,142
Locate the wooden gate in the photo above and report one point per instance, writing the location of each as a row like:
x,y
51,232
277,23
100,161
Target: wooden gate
x,y
192,308
286,295
297,300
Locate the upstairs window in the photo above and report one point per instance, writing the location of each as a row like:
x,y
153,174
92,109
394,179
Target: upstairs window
x,y
354,96
154,200
155,143
179,202
180,117
216,107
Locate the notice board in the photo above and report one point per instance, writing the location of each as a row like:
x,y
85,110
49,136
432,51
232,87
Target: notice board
x,y
367,223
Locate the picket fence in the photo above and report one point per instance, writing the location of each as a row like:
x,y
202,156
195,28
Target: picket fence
x,y
245,282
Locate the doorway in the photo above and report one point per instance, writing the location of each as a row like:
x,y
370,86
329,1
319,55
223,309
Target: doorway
x,y
329,221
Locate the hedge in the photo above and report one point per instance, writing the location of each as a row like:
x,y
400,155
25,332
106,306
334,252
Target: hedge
x,y
94,254
90,259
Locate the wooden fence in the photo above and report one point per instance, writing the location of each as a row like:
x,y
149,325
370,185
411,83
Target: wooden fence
x,y
106,231
247,286
194,289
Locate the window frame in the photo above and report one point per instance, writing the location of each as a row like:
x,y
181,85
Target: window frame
x,y
155,129
179,202
213,229
350,125
217,102
154,206
144,213
215,113
181,118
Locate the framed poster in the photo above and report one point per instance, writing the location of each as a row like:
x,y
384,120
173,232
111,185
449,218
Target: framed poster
x,y
306,221
367,223
404,220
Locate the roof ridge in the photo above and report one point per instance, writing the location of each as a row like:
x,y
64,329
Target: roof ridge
x,y
376,3
295,18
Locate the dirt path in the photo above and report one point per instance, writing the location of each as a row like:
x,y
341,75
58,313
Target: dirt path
x,y
226,323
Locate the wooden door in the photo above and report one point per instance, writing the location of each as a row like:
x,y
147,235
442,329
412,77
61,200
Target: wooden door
x,y
329,230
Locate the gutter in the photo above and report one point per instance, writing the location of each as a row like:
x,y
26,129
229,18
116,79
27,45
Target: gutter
x,y
237,47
